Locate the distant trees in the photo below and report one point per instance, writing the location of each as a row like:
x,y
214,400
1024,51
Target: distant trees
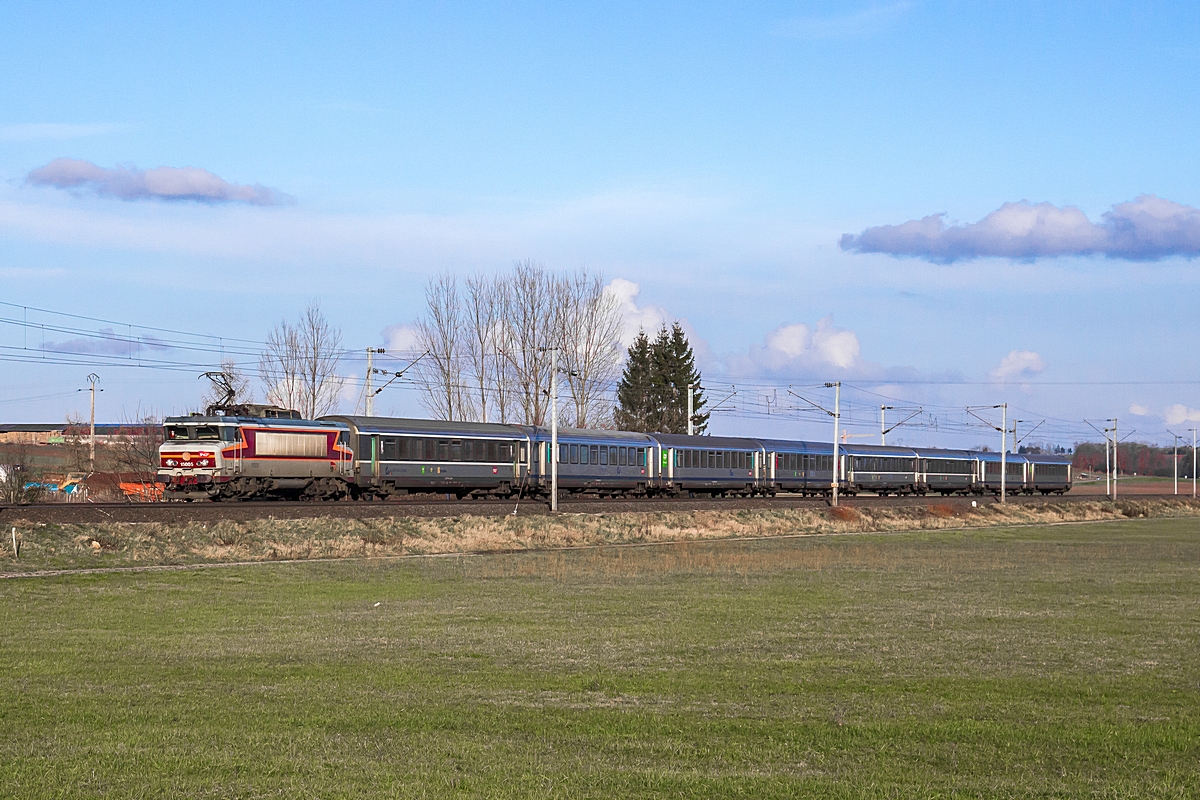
x,y
652,395
299,367
490,347
20,482
1134,457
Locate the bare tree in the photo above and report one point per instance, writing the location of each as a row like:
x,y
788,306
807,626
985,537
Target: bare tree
x,y
489,352
441,335
76,442
227,386
20,482
591,350
530,320
481,342
135,450
299,367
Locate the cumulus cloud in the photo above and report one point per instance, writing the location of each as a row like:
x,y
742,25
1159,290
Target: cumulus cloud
x,y
161,183
797,348
1179,413
1138,410
1019,364
400,338
648,318
1147,228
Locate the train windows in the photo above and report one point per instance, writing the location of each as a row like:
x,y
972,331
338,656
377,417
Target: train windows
x,y
595,457
208,433
364,447
443,450
603,456
177,433
574,454
523,452
505,451
641,455
622,456
229,433
390,449
564,454
456,451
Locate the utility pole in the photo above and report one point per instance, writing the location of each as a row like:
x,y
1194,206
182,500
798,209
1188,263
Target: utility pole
x,y
1003,444
369,405
1116,465
1193,430
92,379
554,429
837,415
1003,450
882,426
691,397
1107,466
1175,460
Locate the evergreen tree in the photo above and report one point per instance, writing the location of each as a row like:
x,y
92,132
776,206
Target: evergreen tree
x,y
634,403
652,394
678,372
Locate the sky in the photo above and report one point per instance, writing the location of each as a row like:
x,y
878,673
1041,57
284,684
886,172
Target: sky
x,y
940,204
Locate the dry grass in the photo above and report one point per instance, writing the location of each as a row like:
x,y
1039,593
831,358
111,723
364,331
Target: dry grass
x,y
133,544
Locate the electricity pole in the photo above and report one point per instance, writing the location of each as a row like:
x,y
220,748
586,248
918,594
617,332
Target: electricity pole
x,y
1003,450
837,415
882,426
92,379
369,405
1116,466
1003,444
1193,430
1175,459
554,430
691,395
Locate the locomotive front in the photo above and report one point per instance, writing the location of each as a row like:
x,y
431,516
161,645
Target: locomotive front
x,y
192,458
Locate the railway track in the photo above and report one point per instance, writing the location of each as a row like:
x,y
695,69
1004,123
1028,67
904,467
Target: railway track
x,y
90,513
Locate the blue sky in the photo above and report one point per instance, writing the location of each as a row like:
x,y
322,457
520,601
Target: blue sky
x,y
715,155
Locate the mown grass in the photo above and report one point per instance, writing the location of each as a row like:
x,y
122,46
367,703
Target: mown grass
x,y
1056,661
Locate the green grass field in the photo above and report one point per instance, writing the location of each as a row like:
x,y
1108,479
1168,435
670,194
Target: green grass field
x,y
1057,661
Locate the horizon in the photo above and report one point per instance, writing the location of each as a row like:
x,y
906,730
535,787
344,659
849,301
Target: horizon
x,y
940,206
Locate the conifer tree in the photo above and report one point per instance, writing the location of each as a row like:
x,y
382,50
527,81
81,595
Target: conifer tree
x,y
677,371
634,407
652,394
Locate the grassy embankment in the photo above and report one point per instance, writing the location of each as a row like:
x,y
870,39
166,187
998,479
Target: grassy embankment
x,y
139,544
1044,661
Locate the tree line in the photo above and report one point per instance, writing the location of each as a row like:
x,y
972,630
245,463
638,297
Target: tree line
x,y
486,346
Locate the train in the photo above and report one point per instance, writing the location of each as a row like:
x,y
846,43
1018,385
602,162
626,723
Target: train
x,y
261,452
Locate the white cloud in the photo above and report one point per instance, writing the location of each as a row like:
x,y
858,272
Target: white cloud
x,y
843,26
400,338
37,131
796,348
1146,228
160,183
1138,410
648,318
1179,413
1019,364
